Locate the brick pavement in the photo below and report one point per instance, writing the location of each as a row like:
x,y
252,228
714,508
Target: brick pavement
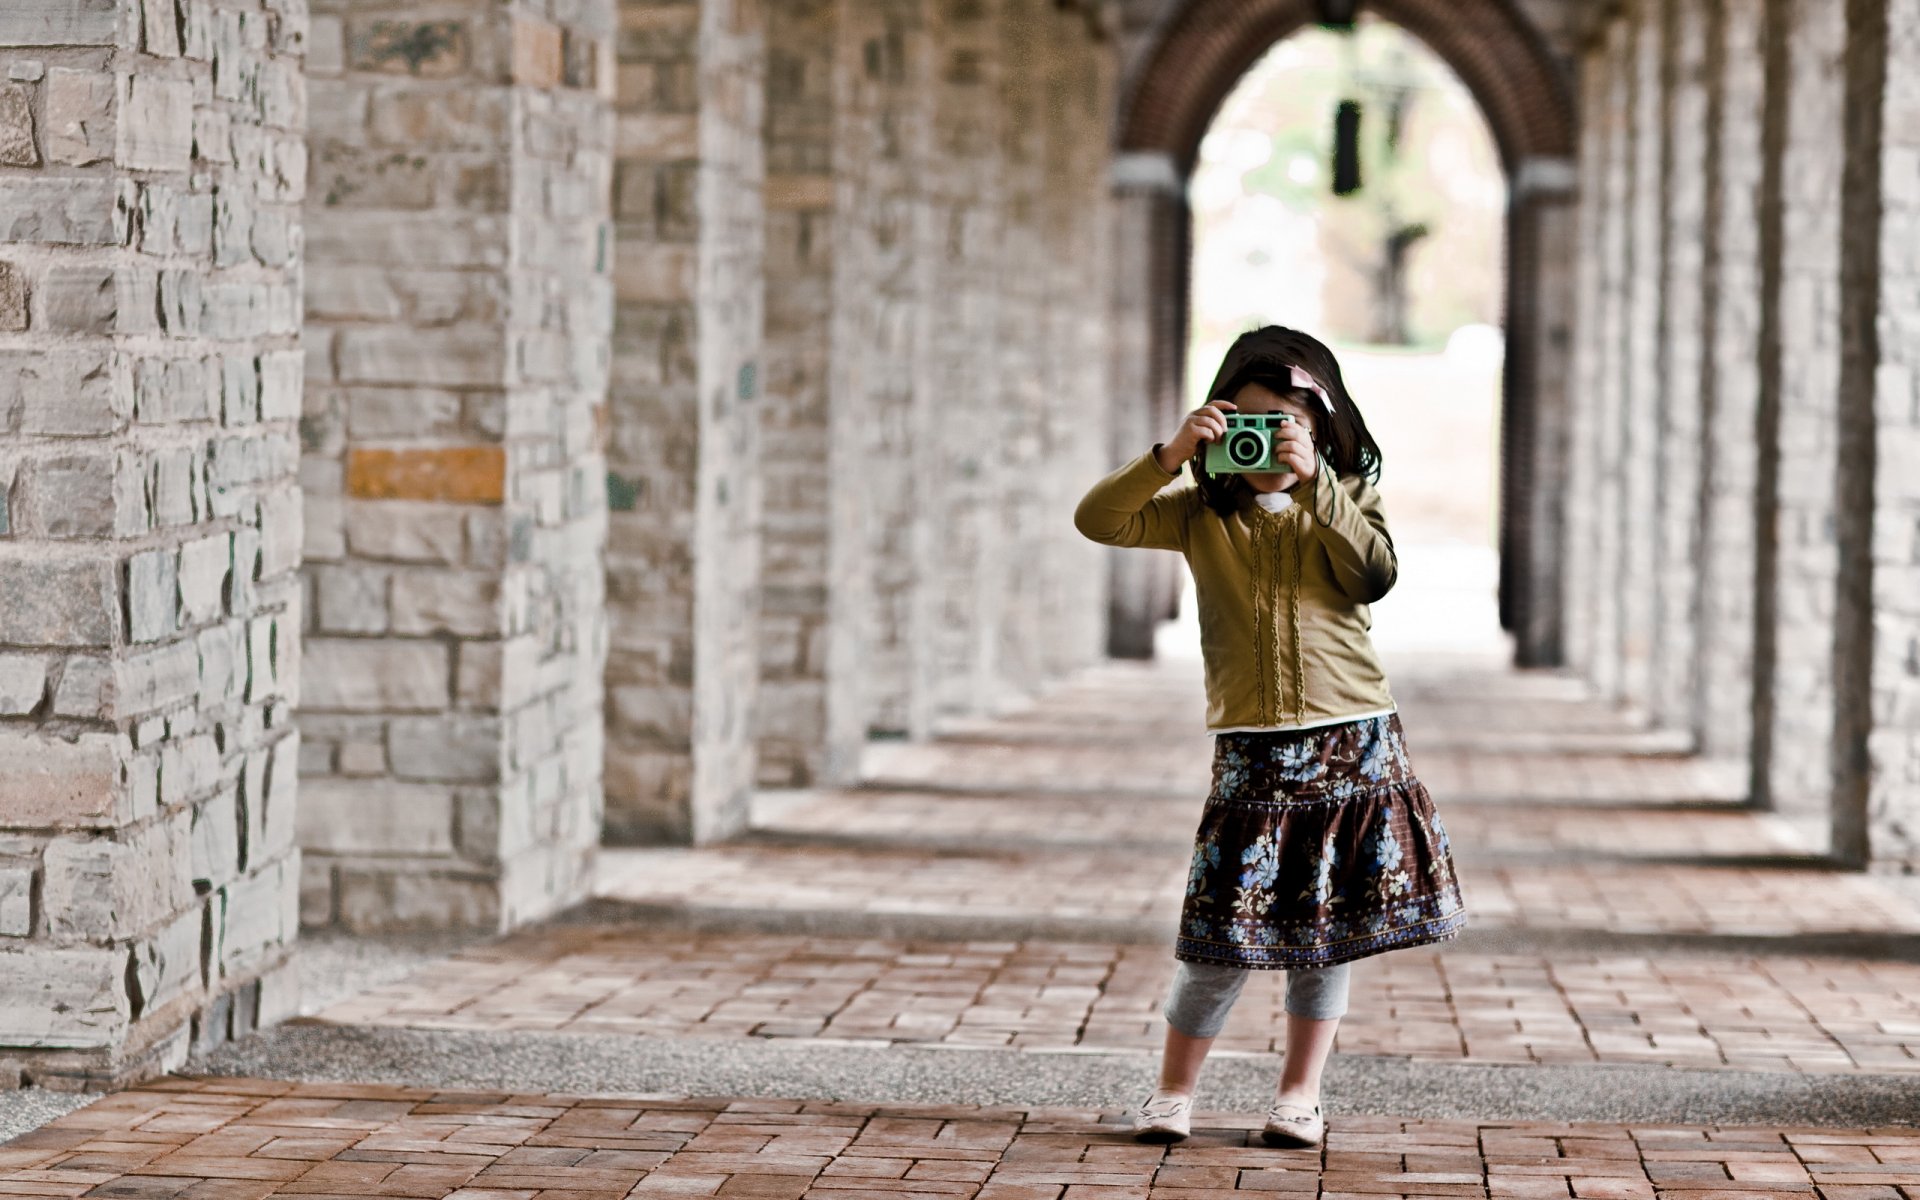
x,y
1147,886
249,1139
1478,829
1792,1014
1567,819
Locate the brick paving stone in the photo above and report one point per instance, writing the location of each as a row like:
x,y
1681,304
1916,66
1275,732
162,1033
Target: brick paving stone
x,y
1773,1013
1075,882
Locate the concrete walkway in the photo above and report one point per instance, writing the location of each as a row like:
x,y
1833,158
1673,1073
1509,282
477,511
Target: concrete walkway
x,y
945,982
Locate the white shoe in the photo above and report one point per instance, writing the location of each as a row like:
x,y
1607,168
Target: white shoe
x,y
1165,1117
1294,1126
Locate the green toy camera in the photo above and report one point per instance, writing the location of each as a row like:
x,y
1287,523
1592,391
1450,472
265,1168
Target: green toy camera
x,y
1249,446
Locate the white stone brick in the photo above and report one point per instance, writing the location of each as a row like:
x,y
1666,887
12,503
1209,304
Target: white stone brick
x,y
341,816
23,683
355,675
116,887
63,998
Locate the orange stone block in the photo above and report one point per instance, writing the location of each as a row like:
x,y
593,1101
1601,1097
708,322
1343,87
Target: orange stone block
x,y
461,474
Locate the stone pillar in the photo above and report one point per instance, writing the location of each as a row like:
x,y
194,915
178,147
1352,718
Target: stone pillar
x,y
1639,584
802,459
457,327
1678,509
1877,662
959,344
1794,669
882,128
1607,449
1581,586
1731,379
1078,410
149,529
683,563
1542,246
1140,184
1022,351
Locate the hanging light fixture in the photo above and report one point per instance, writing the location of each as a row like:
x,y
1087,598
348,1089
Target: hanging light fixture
x,y
1339,16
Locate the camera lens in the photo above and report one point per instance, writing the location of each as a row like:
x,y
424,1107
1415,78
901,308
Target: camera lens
x,y
1246,448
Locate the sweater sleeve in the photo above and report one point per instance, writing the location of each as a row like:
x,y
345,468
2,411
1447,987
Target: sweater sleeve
x,y
1351,523
1129,508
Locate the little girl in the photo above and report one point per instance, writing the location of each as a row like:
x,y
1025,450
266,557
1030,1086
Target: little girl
x,y
1317,845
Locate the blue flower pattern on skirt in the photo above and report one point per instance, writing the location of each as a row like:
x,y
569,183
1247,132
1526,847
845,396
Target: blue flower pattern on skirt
x,y
1317,846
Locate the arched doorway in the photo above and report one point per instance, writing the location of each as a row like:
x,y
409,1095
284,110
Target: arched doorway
x,y
1202,52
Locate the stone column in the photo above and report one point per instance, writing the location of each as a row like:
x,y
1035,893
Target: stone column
x,y
149,529
1581,581
683,562
1638,584
1877,665
1678,508
1794,668
1022,351
1140,183
882,128
1731,381
1542,246
1607,449
959,345
802,460
1076,412
457,325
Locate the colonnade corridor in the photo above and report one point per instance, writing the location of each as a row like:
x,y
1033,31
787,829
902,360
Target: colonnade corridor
x,y
945,981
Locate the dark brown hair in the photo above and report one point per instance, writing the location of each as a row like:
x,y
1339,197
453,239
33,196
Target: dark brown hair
x,y
1262,356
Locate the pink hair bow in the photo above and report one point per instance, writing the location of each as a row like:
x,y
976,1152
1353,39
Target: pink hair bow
x,y
1303,380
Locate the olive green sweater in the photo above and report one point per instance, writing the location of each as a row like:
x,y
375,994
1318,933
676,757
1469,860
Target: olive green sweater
x,y
1283,595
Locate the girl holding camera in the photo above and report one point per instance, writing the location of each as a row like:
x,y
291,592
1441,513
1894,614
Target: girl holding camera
x,y
1317,845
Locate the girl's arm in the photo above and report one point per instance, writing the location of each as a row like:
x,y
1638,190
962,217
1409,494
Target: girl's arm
x,y
1352,524
1128,507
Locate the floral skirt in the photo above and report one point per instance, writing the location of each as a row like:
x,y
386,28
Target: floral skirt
x,y
1317,846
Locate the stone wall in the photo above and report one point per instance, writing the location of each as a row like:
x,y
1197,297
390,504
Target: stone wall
x,y
457,329
151,172
683,563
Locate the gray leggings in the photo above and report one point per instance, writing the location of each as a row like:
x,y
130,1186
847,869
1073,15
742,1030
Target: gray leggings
x,y
1203,992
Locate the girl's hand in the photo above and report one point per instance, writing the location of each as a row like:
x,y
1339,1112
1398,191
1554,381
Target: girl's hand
x,y
1295,445
1204,424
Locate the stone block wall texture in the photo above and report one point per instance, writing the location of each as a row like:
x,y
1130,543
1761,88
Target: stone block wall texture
x,y
798,466
1681,354
458,284
1892,726
152,165
684,556
1730,388
1797,777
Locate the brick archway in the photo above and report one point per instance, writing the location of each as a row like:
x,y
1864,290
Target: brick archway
x,y
1210,44
1526,97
